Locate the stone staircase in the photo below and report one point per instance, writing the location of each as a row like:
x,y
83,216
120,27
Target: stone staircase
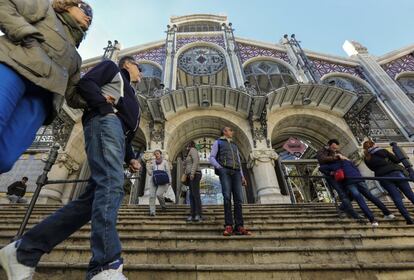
x,y
305,241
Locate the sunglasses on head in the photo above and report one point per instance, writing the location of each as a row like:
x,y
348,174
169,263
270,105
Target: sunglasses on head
x,y
86,9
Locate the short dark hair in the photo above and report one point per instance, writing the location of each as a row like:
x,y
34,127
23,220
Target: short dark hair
x,y
191,144
333,141
25,178
126,59
223,129
158,151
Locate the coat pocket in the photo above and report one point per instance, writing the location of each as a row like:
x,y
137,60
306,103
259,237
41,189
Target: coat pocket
x,y
34,59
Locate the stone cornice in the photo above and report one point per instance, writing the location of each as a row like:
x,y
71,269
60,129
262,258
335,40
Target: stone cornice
x,y
391,56
139,48
311,54
198,17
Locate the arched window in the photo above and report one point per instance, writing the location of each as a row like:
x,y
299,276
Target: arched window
x,y
266,75
151,78
347,83
202,65
407,84
366,119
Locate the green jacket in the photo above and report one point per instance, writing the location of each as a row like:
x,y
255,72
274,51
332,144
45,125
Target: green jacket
x,y
54,64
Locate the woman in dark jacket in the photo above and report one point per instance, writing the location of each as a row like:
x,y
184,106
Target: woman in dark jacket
x,y
386,164
39,66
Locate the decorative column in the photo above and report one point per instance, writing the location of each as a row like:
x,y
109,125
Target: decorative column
x,y
235,69
65,166
301,73
68,132
167,76
262,162
395,100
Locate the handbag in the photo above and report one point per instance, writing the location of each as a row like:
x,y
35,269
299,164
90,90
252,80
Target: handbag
x,y
160,177
184,179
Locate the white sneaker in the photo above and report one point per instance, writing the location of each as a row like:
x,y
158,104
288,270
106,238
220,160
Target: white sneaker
x,y
374,224
14,270
389,217
114,272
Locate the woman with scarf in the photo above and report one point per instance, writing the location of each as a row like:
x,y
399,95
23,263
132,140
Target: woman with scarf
x,y
39,66
160,179
386,164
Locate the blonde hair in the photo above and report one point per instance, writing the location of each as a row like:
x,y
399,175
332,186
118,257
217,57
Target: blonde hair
x,y
61,6
366,146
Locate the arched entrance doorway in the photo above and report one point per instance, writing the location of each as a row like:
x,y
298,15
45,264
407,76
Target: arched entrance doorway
x,y
203,127
296,137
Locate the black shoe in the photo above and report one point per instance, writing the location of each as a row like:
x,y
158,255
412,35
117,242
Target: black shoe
x,y
163,208
410,222
190,219
197,219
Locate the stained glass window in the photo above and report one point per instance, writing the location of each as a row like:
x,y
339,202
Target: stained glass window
x,y
201,61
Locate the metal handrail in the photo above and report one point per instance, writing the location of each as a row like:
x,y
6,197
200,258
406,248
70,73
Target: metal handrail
x,y
42,181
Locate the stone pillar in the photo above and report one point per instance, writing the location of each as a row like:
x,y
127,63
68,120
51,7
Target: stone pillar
x,y
390,93
262,162
235,68
169,58
64,166
67,163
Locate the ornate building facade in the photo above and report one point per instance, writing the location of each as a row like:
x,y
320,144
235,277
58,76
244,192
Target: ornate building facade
x,y
202,77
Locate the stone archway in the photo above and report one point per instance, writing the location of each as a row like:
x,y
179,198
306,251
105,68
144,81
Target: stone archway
x,y
316,126
313,128
192,125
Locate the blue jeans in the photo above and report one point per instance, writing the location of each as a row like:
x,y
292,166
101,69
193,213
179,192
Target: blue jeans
x,y
23,109
363,189
346,205
393,187
231,183
354,190
105,148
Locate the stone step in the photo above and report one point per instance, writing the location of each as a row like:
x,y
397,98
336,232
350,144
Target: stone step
x,y
206,241
257,230
355,270
249,256
208,222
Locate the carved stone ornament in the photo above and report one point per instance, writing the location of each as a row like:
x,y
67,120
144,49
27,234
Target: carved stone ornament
x,y
262,156
65,160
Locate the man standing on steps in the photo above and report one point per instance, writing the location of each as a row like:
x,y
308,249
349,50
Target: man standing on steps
x,y
110,122
225,158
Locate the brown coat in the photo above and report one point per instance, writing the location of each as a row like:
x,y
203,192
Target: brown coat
x,y
54,64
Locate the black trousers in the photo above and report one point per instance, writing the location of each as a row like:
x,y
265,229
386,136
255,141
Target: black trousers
x,y
195,200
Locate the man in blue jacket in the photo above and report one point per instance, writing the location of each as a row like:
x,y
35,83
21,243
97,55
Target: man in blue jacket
x,y
110,123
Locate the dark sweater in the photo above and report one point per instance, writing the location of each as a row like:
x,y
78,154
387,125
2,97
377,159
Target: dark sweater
x,y
127,108
382,162
17,188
